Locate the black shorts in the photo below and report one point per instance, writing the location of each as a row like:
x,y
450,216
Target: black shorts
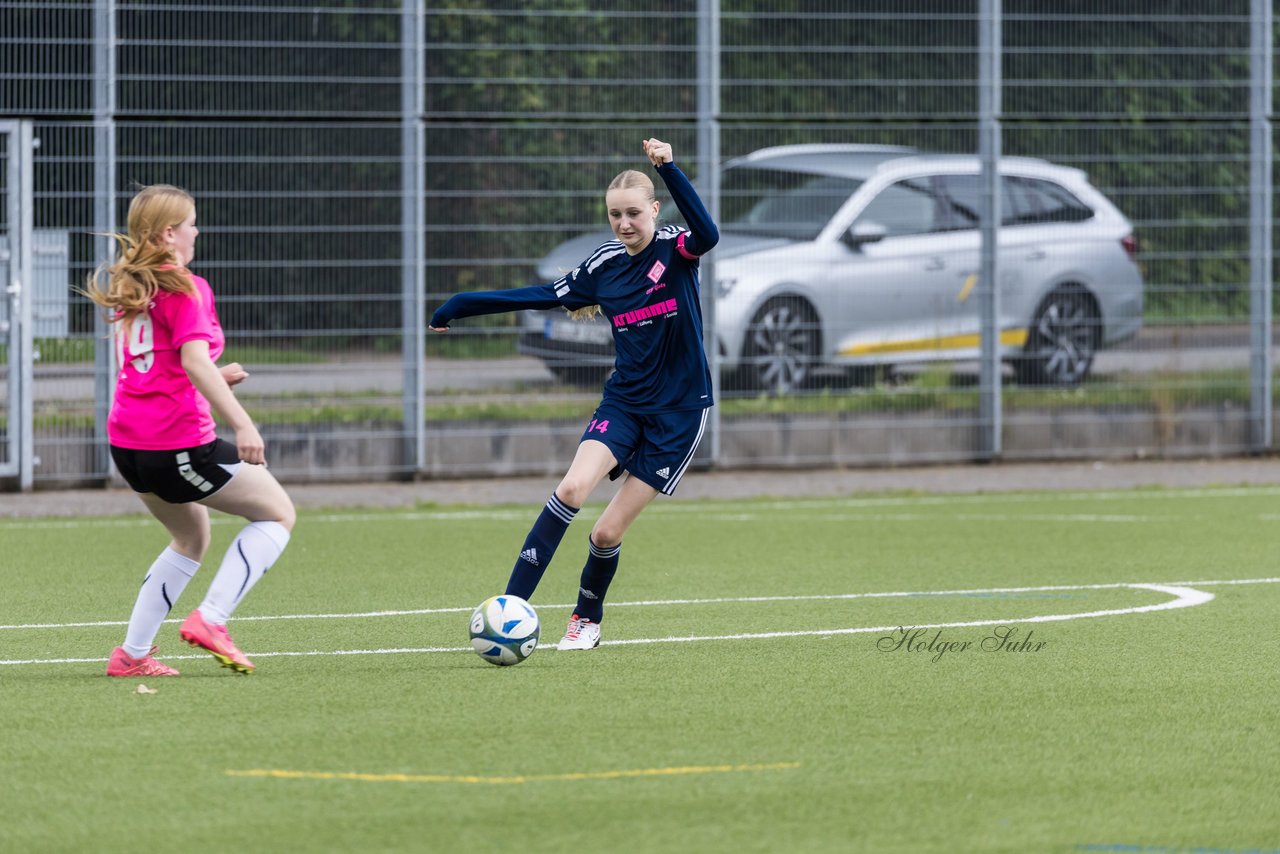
x,y
180,476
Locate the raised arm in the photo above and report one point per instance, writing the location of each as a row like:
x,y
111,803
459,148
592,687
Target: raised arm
x,y
703,234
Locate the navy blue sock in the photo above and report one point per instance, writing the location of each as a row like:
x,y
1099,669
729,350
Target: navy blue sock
x,y
596,575
540,546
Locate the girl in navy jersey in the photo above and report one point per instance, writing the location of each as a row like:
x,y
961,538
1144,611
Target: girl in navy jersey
x,y
162,437
654,408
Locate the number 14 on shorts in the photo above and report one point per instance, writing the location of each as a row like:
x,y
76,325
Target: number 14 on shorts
x,y
598,426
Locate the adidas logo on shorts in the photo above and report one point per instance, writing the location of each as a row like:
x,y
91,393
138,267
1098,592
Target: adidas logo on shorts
x,y
664,472
531,555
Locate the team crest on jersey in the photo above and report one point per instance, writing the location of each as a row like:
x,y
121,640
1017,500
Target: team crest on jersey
x,y
656,271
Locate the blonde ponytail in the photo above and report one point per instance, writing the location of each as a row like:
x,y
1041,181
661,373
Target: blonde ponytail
x,y
584,313
145,266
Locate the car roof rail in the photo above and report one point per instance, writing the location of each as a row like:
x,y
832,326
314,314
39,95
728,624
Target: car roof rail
x,y
827,148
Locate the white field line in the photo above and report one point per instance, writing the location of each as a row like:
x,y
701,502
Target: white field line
x,y
723,515
718,600
1184,597
147,521
732,508
876,518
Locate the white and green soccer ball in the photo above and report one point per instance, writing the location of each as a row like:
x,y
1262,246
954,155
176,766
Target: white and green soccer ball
x,y
504,630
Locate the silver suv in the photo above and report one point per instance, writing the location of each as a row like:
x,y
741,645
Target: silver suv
x,y
858,257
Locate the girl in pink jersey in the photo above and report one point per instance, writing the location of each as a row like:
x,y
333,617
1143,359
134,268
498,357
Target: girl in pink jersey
x,y
161,432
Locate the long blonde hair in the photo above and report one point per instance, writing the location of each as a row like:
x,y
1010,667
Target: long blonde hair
x,y
145,265
628,179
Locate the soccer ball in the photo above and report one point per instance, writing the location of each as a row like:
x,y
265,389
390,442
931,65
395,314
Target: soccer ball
x,y
504,630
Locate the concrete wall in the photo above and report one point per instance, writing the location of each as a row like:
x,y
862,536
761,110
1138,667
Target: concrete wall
x,y
372,451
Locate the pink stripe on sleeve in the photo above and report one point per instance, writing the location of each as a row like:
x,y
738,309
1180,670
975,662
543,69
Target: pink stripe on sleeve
x,y
689,256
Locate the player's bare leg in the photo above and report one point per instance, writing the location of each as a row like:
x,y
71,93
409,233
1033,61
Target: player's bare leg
x,y
606,538
591,464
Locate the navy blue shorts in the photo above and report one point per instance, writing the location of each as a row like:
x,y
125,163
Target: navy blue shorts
x,y
182,475
655,448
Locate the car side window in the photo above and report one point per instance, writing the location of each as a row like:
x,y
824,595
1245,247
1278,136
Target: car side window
x,y
907,207
1023,201
1034,200
963,194
1057,203
1019,205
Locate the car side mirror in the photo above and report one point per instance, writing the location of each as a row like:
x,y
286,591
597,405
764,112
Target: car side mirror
x,y
863,233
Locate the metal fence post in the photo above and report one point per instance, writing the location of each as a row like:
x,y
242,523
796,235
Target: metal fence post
x,y
1260,241
989,83
412,280
22,278
104,212
709,178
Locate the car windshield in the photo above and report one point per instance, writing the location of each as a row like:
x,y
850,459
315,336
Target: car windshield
x,y
781,203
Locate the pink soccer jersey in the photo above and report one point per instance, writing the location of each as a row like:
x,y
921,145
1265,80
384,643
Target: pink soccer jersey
x,y
156,407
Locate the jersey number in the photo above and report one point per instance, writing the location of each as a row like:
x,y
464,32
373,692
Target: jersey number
x,y
598,426
141,343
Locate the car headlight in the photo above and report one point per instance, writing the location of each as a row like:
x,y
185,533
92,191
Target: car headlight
x,y
724,284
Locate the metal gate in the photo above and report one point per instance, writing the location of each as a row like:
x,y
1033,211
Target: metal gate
x,y
17,266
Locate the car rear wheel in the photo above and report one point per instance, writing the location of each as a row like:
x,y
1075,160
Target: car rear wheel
x,y
781,347
1062,341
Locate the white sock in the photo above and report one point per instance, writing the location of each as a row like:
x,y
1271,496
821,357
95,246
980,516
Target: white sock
x,y
252,553
164,583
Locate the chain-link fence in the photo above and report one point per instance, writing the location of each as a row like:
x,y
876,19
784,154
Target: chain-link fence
x,y
354,165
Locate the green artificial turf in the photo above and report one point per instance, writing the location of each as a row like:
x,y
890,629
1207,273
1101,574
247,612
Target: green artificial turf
x,y
802,720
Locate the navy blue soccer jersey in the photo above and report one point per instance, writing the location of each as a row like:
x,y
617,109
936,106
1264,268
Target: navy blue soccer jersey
x,y
650,300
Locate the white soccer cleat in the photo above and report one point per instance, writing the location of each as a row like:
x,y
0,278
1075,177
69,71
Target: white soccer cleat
x,y
581,634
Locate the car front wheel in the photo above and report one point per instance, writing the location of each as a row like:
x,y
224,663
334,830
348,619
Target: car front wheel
x,y
1062,340
781,347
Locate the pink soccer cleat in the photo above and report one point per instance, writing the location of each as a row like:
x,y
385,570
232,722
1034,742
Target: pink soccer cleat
x,y
122,664
215,639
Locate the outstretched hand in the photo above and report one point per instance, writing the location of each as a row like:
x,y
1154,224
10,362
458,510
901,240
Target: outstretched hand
x,y
658,152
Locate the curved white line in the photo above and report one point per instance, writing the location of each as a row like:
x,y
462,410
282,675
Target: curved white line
x,y
1184,597
714,600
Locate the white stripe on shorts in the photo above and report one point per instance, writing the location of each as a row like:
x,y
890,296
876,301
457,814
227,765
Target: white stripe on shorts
x,y
670,488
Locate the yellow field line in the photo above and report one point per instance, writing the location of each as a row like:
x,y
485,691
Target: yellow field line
x,y
282,774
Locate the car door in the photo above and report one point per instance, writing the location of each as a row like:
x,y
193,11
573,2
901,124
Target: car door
x,y
1021,254
904,281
